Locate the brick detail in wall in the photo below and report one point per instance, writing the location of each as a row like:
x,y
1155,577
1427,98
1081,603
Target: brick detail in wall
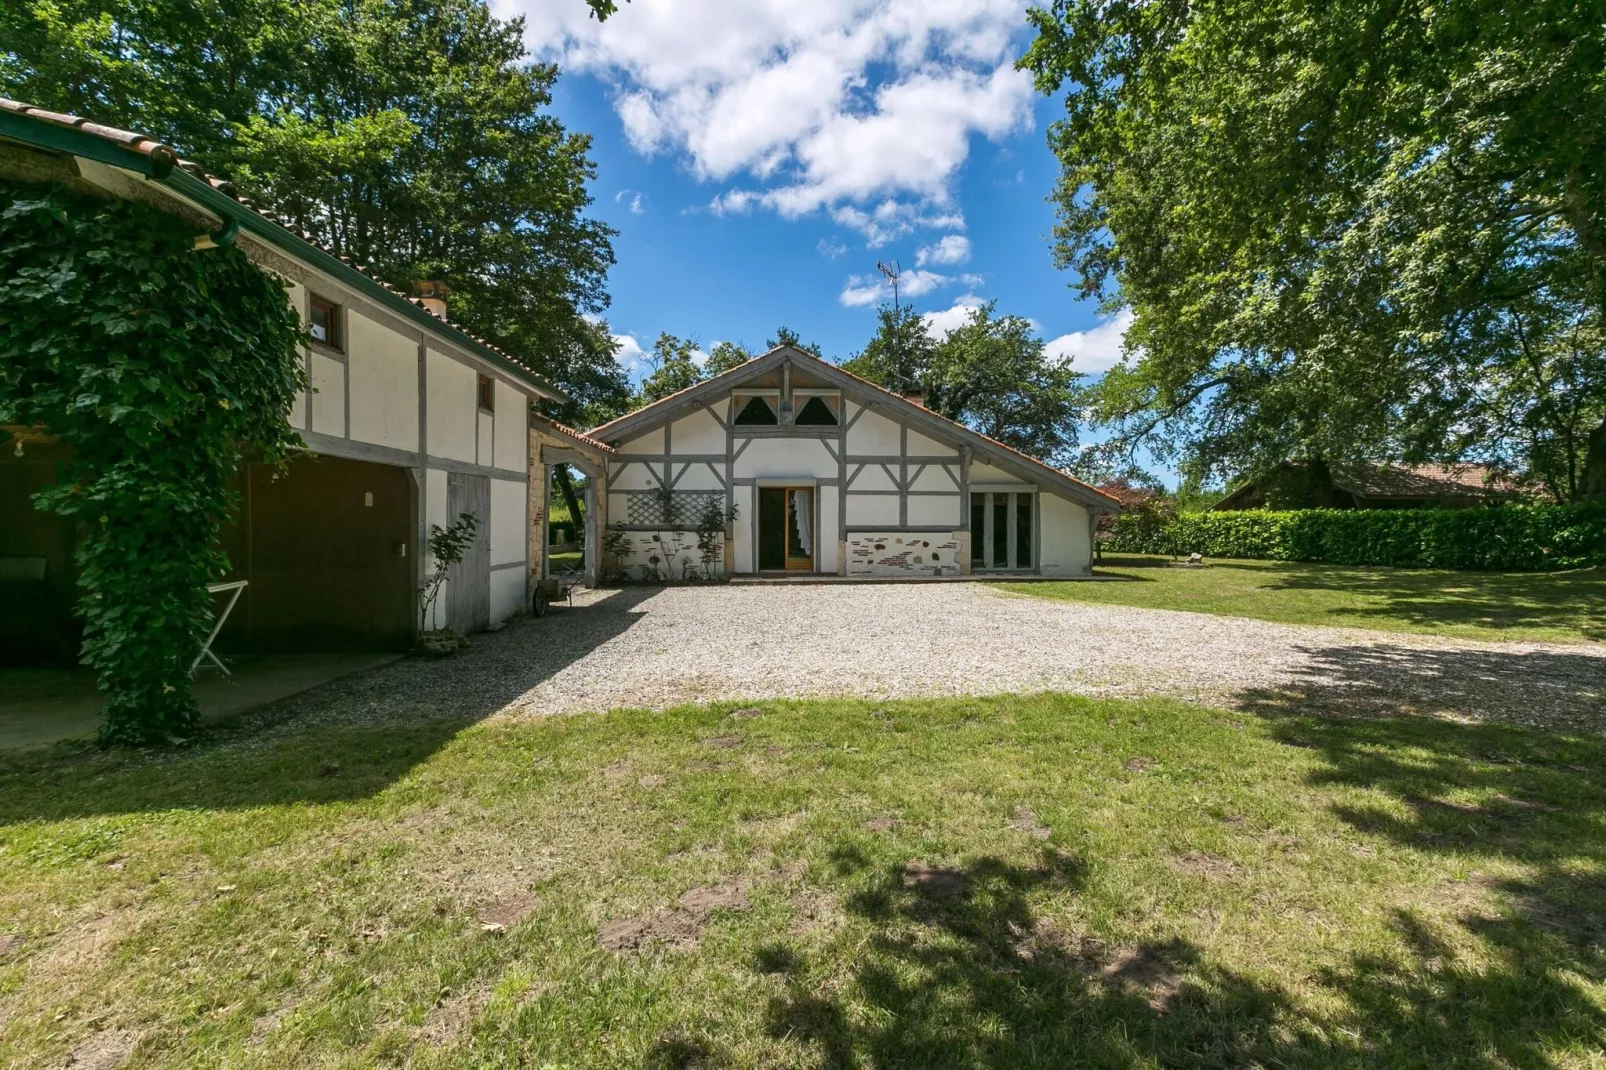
x,y
908,554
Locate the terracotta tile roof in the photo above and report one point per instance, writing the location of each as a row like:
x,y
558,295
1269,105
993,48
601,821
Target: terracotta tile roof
x,y
165,157
1420,480
578,436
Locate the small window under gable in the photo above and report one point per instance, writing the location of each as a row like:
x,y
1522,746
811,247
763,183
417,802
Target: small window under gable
x,y
817,411
755,410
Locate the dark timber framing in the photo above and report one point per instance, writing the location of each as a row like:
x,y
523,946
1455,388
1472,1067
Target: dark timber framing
x,y
941,503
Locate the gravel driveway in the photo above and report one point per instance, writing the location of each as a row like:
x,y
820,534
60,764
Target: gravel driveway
x,y
661,646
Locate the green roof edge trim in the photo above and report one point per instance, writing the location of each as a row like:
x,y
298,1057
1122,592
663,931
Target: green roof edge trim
x,y
48,135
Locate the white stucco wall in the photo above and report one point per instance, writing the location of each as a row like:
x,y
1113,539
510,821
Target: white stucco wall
x,y
697,433
921,446
865,510
652,442
435,515
508,589
511,449
485,445
874,435
745,503
871,477
508,541
1065,550
774,458
384,383
825,542
696,475
986,473
935,477
328,396
452,386
930,511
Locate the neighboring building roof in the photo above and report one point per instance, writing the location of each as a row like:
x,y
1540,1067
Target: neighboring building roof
x,y
1372,480
1420,480
568,432
664,409
72,134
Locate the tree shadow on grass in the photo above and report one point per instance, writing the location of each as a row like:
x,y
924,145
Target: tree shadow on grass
x,y
1488,795
348,739
1433,598
1555,689
962,972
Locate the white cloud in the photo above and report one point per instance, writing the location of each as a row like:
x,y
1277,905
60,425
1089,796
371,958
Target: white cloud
x,y
821,106
733,202
633,203
1093,351
629,354
941,323
951,249
831,248
863,290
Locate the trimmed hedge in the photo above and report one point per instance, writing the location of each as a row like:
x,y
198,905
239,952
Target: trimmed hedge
x,y
1500,538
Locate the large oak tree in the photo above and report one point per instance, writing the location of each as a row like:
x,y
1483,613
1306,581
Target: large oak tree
x,y
1372,228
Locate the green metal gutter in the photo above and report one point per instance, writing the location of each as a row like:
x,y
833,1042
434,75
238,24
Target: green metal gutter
x,y
53,137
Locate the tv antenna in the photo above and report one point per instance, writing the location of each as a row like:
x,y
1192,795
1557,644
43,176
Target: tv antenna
x,y
891,272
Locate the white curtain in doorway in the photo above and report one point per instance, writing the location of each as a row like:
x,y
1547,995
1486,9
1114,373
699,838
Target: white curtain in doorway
x,y
802,517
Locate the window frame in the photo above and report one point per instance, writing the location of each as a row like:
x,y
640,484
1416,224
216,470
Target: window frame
x,y
831,398
772,398
335,314
984,560
485,395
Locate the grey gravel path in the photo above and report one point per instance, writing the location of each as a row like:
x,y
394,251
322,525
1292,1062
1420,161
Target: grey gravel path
x,y
659,647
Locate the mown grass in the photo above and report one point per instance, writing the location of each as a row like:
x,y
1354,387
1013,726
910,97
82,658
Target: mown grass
x,y
1110,883
1545,606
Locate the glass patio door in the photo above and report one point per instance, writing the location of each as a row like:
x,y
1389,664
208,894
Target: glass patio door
x,y
1003,534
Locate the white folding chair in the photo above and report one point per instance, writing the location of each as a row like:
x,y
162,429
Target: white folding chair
x,y
234,590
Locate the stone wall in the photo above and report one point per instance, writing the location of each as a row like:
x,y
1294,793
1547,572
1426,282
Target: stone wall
x,y
918,553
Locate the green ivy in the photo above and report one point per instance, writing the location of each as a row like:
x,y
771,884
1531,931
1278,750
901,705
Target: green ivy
x,y
1503,538
161,365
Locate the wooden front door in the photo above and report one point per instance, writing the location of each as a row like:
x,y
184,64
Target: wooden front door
x,y
786,529
468,590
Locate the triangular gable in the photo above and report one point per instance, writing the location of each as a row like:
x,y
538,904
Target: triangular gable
x,y
930,423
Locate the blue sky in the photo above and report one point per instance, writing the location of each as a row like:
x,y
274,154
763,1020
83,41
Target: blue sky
x,y
759,158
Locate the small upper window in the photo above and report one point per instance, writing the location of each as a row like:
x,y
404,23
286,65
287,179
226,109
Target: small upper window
x,y
816,411
325,325
755,410
487,394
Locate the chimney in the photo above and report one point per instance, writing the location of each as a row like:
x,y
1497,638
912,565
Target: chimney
x,y
915,397
433,295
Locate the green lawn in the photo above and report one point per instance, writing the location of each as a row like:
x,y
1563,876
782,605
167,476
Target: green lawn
x,y
570,560
1040,881
1548,606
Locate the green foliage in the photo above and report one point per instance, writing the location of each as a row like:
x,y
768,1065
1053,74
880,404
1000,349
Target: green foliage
x,y
725,356
1346,231
711,527
1503,538
413,136
446,549
161,366
785,336
674,368
991,373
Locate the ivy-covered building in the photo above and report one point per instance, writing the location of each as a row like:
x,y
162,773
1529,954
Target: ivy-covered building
x,y
407,421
